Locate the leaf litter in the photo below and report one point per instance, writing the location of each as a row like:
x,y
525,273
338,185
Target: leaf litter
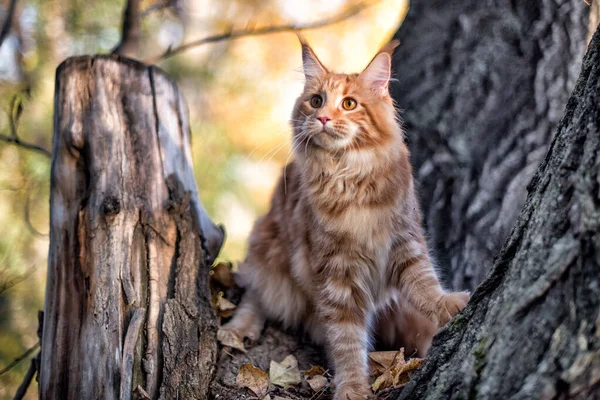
x,y
388,369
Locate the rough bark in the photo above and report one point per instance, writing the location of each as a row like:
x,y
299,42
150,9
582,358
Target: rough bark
x,y
127,299
532,328
483,84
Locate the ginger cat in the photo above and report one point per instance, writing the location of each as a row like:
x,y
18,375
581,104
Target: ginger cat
x,y
341,251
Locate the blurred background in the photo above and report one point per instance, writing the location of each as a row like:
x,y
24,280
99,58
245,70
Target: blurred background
x,y
239,92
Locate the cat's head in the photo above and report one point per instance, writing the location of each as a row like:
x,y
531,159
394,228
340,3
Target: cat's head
x,y
344,112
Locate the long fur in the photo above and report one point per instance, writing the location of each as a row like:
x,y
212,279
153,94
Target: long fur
x,y
341,252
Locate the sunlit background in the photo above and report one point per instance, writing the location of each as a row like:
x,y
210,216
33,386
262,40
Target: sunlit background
x,y
240,95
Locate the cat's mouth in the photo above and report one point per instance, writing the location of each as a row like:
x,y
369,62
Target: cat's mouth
x,y
331,132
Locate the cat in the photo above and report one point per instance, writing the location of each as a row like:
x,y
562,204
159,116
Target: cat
x,y
341,251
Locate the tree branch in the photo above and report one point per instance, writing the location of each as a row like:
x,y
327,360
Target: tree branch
x,y
28,218
16,108
8,21
236,34
10,282
155,7
130,31
22,390
20,358
29,146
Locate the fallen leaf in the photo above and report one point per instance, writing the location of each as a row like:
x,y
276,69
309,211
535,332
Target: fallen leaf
x,y
403,375
222,274
386,379
383,381
280,398
381,360
314,370
267,397
285,373
254,379
397,372
229,338
225,307
317,382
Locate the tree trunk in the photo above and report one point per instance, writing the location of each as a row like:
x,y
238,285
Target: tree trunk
x,y
483,84
127,299
532,328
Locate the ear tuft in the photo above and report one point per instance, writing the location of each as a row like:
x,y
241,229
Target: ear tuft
x,y
313,68
390,47
377,74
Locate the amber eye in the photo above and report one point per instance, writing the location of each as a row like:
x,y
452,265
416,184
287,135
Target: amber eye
x,y
316,101
349,104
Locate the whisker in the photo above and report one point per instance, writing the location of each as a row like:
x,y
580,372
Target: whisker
x,y
277,151
273,151
293,148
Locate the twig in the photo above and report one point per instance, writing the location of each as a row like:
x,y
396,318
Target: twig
x,y
28,219
9,283
384,394
16,108
236,34
155,7
130,31
20,358
29,146
22,390
8,21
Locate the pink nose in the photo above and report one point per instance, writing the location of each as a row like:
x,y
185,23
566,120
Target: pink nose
x,y
324,119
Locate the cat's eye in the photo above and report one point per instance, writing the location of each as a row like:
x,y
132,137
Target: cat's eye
x,y
349,104
316,101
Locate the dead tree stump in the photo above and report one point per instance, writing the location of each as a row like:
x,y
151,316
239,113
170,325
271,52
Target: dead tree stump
x,y
130,243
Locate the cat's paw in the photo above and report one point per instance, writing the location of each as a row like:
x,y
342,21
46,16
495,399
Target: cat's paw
x,y
352,392
451,304
231,335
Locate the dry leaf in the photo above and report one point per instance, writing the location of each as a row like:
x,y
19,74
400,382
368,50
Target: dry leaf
x,y
290,361
254,379
397,373
285,373
381,360
317,382
280,398
267,397
225,307
383,381
222,274
314,371
403,375
386,379
229,338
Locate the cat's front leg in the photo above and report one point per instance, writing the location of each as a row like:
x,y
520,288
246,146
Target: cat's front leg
x,y
346,312
417,280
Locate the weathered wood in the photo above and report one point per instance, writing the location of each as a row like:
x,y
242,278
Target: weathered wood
x,y
483,84
130,243
532,328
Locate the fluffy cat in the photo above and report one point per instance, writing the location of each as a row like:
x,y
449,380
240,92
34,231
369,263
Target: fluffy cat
x,y
341,251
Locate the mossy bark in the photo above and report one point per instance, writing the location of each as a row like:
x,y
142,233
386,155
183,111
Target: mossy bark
x,y
532,328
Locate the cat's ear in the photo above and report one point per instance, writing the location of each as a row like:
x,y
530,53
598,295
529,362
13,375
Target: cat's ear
x,y
311,64
378,72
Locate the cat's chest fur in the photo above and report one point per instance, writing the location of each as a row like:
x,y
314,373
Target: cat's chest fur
x,y
362,207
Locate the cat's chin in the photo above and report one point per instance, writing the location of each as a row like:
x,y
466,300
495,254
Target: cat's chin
x,y
331,141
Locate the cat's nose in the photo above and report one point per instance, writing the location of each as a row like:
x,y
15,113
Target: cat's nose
x,y
324,120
